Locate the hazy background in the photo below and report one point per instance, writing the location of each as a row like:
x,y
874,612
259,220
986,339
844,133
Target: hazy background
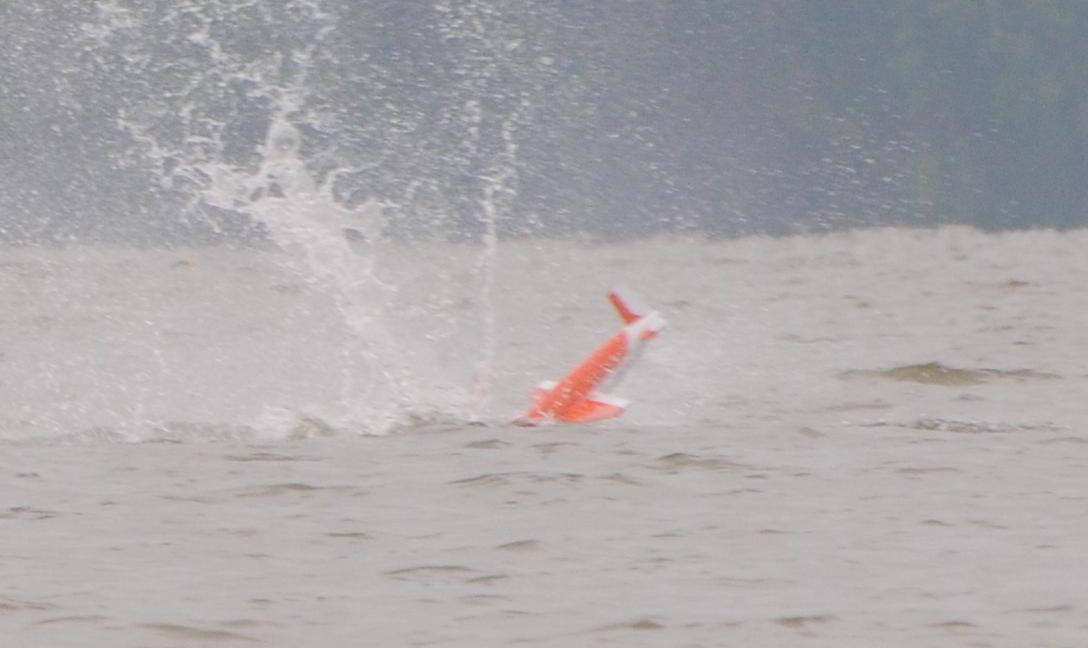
x,y
603,117
223,419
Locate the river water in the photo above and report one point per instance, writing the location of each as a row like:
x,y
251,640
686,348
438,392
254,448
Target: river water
x,y
865,438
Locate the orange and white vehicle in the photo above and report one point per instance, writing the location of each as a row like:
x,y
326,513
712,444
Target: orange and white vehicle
x,y
575,398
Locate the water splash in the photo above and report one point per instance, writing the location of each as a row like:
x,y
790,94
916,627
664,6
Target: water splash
x,y
381,184
487,44
333,247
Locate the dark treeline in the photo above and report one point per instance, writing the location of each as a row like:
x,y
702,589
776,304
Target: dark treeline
x,y
606,117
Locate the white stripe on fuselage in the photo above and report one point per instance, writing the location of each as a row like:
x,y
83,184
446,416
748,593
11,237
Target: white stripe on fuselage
x,y
633,332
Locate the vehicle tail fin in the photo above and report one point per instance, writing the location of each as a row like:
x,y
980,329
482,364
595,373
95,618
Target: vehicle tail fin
x,y
649,326
634,310
630,306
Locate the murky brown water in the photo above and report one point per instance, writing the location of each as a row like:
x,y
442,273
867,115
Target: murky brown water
x,y
871,439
